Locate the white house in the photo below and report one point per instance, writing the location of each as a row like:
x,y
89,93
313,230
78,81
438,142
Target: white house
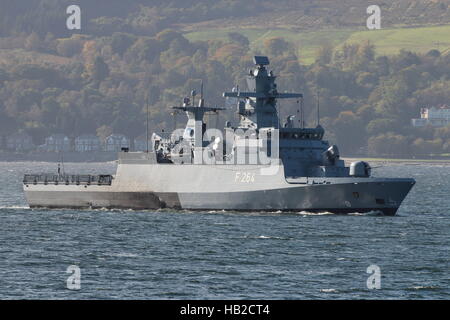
x,y
434,116
87,143
115,142
56,143
19,142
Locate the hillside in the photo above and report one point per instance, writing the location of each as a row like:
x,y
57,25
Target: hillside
x,y
412,25
387,41
97,80
331,14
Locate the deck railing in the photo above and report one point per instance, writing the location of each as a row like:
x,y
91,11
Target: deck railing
x,y
68,179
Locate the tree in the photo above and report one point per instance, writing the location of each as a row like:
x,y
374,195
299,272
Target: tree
x,y
389,144
405,59
378,126
324,54
7,124
103,132
50,111
346,125
365,55
70,46
443,133
348,54
99,70
394,93
166,37
276,46
27,98
49,43
33,42
144,49
239,39
434,53
427,147
120,42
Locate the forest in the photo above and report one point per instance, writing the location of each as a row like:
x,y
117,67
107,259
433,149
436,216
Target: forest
x,y
98,80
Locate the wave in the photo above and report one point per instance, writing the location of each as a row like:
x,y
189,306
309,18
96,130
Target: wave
x,y
124,255
186,211
267,237
329,290
15,207
424,288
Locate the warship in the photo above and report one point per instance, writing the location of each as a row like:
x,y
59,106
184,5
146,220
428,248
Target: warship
x,y
258,165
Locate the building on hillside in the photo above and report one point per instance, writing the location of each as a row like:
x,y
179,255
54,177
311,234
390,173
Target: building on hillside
x,y
115,142
434,116
87,143
56,143
19,142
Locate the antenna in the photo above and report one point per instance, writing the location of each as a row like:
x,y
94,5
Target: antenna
x,y
62,164
146,133
318,107
302,113
217,119
201,104
201,91
174,114
261,61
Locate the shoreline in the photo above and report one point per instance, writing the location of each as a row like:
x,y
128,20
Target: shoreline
x,y
103,156
54,157
398,160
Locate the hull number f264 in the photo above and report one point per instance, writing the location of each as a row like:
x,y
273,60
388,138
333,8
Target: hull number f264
x,y
244,177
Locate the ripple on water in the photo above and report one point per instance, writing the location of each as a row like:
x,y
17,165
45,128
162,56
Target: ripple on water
x,y
216,254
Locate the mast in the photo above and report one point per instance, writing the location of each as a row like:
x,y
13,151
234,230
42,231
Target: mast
x,y
318,108
146,134
195,124
260,99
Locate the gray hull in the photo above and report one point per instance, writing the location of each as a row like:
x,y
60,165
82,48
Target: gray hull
x,y
196,188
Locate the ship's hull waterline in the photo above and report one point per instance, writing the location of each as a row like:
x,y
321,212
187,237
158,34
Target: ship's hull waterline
x,y
196,191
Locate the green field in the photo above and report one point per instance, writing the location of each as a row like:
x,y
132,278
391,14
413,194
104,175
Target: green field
x,y
387,41
421,39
